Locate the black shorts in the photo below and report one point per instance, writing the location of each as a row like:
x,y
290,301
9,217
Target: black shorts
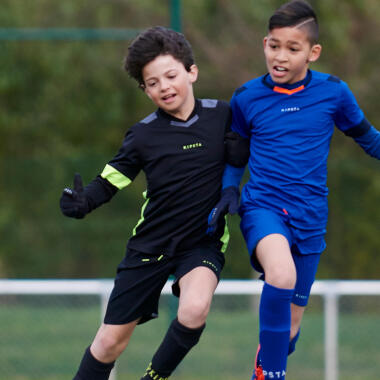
x,y
141,277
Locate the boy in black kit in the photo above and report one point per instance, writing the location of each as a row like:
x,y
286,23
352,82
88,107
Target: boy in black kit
x,y
180,148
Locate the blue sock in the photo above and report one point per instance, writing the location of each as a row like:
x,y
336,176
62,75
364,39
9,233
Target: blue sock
x,y
292,346
292,343
274,330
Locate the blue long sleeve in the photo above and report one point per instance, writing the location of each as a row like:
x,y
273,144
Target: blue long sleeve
x,y
232,176
370,142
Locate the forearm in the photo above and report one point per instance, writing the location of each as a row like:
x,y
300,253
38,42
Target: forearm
x,y
98,192
370,142
232,176
229,198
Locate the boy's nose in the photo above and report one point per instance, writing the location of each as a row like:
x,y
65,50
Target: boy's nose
x,y
281,55
164,84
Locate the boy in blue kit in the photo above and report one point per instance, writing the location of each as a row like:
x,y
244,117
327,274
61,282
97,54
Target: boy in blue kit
x,y
180,148
285,119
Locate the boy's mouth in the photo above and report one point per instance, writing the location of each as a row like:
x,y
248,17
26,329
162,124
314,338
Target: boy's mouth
x,y
279,72
280,69
168,97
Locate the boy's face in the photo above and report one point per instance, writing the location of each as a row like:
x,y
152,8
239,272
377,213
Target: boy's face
x,y
288,53
170,86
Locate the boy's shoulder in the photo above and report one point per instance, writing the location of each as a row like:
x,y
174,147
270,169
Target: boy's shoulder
x,y
249,90
329,84
325,77
147,119
213,103
253,84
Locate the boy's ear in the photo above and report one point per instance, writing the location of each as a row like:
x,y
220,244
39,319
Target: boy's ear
x,y
193,73
147,93
315,53
265,39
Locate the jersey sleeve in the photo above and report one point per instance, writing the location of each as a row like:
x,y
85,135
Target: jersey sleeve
x,y
239,123
349,118
370,142
125,166
352,122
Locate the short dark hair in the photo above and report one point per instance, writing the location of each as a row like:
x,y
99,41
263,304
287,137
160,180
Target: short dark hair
x,y
295,13
153,42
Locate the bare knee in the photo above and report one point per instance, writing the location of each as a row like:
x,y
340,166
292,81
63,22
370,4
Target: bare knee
x,y
193,314
110,342
107,348
281,277
274,255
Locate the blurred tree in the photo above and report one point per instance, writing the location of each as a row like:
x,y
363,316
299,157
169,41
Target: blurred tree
x,y
66,105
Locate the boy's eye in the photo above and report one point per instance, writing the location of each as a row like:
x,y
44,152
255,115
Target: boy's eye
x,y
151,84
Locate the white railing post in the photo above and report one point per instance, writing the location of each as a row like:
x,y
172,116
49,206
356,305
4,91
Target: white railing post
x,y
331,334
329,290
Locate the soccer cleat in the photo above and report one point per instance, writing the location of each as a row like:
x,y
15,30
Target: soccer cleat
x,y
258,371
258,375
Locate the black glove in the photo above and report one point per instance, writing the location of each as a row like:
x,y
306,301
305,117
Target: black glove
x,y
228,203
74,202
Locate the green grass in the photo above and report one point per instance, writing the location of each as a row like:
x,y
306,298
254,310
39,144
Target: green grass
x,y
45,340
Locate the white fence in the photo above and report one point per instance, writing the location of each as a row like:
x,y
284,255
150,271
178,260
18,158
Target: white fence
x,y
330,291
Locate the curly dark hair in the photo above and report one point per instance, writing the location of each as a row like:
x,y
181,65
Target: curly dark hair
x,y
153,42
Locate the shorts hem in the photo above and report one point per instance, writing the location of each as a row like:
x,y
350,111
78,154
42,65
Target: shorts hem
x,y
144,318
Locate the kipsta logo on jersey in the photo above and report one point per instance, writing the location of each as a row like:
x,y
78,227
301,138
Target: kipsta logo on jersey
x,y
192,146
290,109
274,374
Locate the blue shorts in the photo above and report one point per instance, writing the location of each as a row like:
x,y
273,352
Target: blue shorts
x,y
306,245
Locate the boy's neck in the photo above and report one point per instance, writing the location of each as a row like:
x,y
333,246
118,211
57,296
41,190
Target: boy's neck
x,y
269,82
181,116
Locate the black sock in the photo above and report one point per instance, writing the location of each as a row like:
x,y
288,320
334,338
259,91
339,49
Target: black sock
x,y
92,369
178,341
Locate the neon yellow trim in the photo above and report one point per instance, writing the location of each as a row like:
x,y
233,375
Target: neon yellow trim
x,y
142,213
226,236
145,260
160,257
114,177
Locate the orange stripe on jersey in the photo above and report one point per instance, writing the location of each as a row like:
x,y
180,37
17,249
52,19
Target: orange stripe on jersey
x,y
286,91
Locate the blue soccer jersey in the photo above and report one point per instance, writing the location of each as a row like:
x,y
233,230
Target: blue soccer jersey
x,y
290,129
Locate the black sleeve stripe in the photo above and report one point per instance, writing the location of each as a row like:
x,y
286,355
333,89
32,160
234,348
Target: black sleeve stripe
x,y
359,130
333,78
240,89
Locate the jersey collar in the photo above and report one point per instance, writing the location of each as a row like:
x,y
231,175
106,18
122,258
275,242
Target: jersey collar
x,y
288,89
183,123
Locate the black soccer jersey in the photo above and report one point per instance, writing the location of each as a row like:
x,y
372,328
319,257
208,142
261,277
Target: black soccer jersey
x,y
183,162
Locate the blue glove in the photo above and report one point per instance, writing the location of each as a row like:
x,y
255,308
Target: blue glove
x,y
74,202
228,203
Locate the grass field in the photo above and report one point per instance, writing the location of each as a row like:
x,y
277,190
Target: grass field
x,y
43,338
